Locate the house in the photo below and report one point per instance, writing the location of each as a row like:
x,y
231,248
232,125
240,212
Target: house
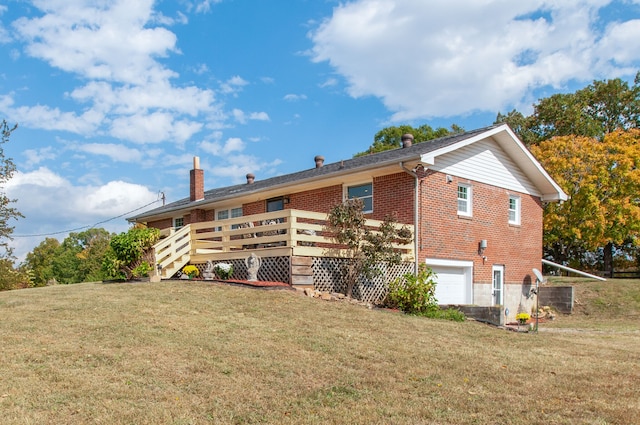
x,y
474,201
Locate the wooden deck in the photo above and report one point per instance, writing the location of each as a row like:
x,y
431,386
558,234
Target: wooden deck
x,y
286,233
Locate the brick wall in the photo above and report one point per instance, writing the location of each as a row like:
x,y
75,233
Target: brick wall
x,y
393,195
161,224
443,234
318,200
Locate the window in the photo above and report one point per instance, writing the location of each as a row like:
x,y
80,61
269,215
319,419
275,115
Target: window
x,y
514,209
229,213
363,192
178,222
275,204
464,200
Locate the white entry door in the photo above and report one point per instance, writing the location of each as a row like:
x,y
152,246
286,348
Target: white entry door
x,y
498,285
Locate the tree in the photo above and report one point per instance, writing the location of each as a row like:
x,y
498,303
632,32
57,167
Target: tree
x,y
40,261
79,257
7,212
391,137
602,180
594,111
366,249
130,254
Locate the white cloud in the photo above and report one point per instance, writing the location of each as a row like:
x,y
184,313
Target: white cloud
x,y
259,116
233,144
295,97
115,47
36,156
241,117
233,85
119,153
154,128
55,205
449,57
109,43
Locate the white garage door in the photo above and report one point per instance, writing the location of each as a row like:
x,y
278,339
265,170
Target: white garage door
x,y
453,282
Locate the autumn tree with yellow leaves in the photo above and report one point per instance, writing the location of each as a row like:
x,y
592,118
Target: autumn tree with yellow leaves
x,y
602,179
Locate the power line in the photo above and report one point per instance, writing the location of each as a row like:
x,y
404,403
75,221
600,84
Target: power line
x,y
88,226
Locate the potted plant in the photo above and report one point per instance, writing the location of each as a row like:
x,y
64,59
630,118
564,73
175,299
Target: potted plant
x,y
223,270
191,271
522,318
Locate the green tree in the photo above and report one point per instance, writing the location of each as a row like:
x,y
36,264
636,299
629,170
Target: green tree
x,y
602,180
40,261
7,212
366,249
10,278
594,111
391,137
79,257
130,254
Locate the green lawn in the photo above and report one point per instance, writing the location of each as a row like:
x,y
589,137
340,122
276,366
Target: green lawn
x,y
202,353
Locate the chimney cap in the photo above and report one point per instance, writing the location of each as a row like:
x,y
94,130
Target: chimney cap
x,y
250,178
407,140
319,159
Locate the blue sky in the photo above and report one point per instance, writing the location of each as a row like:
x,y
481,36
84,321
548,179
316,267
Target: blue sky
x,y
114,98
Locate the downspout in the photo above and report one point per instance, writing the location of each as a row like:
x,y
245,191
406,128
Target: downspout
x,y
416,219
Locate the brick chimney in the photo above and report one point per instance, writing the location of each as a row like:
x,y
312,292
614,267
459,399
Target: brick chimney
x,y
196,181
319,159
407,140
250,178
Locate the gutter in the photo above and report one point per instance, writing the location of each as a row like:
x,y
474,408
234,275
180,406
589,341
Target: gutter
x,y
416,218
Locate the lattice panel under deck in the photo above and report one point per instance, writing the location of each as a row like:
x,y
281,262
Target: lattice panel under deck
x,y
328,276
273,269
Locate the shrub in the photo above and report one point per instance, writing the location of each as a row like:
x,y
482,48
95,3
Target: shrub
x,y
127,251
414,294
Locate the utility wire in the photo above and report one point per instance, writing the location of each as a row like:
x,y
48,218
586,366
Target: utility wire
x,y
88,226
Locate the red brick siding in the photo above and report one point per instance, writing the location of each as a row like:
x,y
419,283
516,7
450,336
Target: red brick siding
x,y
258,207
318,200
443,234
393,195
165,223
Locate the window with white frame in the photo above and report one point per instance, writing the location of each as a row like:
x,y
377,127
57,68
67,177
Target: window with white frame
x,y
464,200
514,209
363,192
229,213
178,222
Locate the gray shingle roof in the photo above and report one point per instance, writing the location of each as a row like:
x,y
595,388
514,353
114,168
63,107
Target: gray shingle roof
x,y
354,164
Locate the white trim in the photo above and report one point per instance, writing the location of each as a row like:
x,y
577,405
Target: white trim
x,y
518,210
448,263
469,200
517,151
466,266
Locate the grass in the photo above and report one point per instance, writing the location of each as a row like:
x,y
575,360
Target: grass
x,y
201,353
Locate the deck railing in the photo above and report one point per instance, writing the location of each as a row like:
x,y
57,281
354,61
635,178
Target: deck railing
x,y
282,233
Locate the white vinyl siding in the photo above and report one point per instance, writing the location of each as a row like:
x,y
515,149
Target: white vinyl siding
x,y
485,162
